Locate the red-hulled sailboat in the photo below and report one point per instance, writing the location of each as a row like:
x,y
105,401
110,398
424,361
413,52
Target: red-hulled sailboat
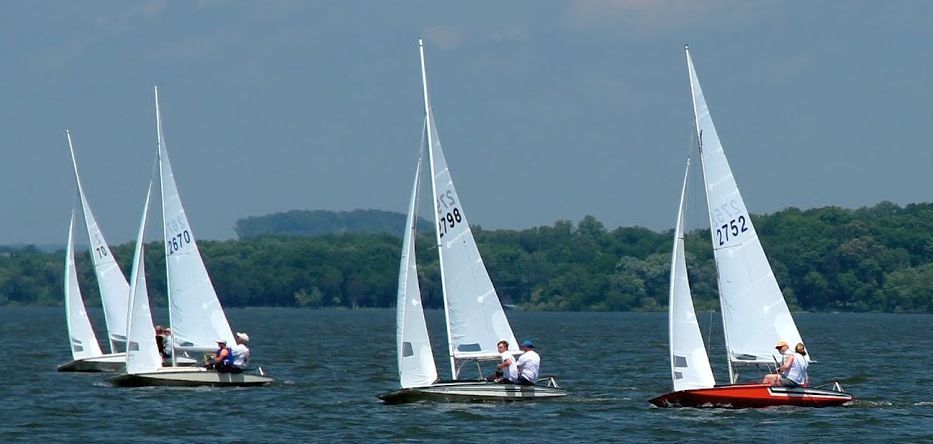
x,y
754,313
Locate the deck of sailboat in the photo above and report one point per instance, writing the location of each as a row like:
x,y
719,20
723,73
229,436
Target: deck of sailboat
x,y
472,391
753,396
190,377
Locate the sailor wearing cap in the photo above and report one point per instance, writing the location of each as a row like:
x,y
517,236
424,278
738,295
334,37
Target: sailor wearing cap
x,y
528,364
240,353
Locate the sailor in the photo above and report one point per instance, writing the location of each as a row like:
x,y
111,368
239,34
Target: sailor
x,y
793,369
507,370
528,364
240,353
223,358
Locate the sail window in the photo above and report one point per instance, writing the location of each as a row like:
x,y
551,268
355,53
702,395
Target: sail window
x,y
678,375
134,346
680,361
469,348
407,350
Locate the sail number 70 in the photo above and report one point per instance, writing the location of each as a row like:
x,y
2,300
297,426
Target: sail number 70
x,y
734,228
178,241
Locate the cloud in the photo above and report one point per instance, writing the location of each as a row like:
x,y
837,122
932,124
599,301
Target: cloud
x,y
444,37
644,15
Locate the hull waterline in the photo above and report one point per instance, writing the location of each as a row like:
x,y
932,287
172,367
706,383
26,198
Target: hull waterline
x,y
190,377
473,391
753,396
113,362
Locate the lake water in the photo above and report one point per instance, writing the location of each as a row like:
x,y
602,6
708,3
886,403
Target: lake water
x,y
331,364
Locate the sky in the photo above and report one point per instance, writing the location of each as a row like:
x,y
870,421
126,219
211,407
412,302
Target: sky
x,y
547,110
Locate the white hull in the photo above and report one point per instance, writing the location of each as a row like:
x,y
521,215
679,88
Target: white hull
x,y
473,391
113,362
190,377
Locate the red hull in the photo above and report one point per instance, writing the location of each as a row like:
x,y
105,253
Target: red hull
x,y
740,396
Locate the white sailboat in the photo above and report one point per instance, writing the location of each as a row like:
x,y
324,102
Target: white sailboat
x,y
474,315
85,351
113,290
195,315
754,314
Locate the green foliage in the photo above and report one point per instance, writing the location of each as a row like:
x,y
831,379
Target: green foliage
x,y
871,259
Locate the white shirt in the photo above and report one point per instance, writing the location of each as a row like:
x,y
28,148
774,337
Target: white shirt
x,y
511,372
528,364
798,369
240,355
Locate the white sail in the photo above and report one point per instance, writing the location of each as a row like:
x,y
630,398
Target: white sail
x,y
755,315
475,319
142,353
114,290
689,362
195,314
81,335
415,361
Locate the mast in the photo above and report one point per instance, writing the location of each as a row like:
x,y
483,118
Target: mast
x,y
694,87
437,234
168,277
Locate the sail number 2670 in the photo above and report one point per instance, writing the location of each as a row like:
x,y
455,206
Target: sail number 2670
x,y
178,241
733,228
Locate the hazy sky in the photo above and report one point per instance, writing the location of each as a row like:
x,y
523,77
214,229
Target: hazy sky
x,y
547,110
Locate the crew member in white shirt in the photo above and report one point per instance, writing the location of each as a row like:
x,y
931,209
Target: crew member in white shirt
x,y
528,364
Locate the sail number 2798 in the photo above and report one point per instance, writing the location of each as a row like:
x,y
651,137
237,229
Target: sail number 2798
x,y
450,220
733,228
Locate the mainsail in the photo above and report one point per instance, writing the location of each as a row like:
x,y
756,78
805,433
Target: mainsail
x,y
142,353
81,335
475,319
114,290
415,361
196,316
689,362
755,315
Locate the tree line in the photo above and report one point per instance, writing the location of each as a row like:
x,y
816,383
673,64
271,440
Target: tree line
x,y
876,258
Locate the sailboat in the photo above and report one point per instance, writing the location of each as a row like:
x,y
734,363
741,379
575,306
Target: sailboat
x,y
113,291
474,317
754,314
85,351
195,316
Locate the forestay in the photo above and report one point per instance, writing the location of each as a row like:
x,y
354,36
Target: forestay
x,y
114,290
754,313
196,316
81,335
690,367
142,354
415,361
475,319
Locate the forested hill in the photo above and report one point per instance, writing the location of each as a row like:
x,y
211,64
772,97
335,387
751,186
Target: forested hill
x,y
870,259
319,222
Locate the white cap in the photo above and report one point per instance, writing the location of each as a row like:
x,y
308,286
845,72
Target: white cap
x,y
243,336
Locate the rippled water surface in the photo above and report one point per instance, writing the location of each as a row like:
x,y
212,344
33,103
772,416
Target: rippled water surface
x,y
331,364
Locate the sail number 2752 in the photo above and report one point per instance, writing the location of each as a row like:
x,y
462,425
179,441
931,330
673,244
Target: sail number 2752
x,y
734,228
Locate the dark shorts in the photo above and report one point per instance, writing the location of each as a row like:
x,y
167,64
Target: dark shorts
x,y
786,382
523,381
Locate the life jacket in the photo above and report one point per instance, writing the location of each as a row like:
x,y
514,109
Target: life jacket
x,y
229,359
